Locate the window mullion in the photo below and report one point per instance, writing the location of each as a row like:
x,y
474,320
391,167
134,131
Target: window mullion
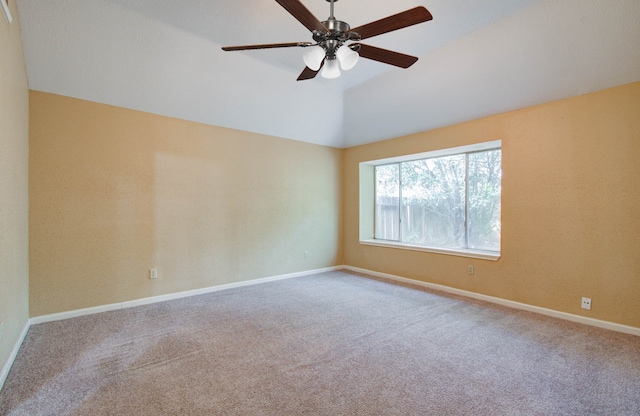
x,y
400,202
466,200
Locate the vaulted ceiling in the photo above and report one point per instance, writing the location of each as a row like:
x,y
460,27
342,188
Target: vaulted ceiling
x,y
477,58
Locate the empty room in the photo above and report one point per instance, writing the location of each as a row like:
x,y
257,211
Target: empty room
x,y
320,207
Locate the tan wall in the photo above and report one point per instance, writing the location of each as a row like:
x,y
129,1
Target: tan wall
x,y
570,207
115,192
14,203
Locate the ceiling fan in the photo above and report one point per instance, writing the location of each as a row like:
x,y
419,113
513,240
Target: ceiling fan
x,y
329,51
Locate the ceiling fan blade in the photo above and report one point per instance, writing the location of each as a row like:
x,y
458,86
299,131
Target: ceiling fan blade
x,y
303,15
398,21
385,56
266,46
308,73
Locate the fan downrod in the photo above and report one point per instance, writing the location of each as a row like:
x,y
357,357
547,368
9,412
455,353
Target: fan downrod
x,y
339,33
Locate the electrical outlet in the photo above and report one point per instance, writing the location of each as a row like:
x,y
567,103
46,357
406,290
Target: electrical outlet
x,y
470,269
586,304
306,254
153,273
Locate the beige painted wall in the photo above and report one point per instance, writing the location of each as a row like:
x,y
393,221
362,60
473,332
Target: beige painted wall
x,y
115,192
570,207
14,203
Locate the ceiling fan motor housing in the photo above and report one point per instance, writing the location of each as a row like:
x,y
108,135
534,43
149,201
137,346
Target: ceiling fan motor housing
x,y
338,34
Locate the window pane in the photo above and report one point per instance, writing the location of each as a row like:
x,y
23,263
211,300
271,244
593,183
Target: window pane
x,y
433,199
387,202
485,174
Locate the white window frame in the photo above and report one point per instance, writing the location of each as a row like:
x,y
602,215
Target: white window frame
x,y
367,202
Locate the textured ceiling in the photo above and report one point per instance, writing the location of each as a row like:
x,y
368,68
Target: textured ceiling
x,y
477,58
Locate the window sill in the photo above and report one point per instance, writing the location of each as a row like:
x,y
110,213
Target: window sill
x,y
476,254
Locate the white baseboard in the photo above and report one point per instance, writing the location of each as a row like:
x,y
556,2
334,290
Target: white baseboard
x,y
504,302
161,298
145,301
14,353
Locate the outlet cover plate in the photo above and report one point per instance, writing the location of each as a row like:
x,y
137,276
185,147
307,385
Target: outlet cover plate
x,y
586,304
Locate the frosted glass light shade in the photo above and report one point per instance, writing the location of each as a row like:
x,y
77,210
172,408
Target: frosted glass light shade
x,y
348,58
330,69
313,58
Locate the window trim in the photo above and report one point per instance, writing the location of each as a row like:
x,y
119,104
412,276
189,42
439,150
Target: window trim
x,y
461,252
367,202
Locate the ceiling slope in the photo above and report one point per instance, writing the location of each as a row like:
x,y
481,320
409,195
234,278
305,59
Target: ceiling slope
x,y
549,51
476,58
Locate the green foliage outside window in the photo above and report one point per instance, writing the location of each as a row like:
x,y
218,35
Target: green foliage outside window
x,y
448,202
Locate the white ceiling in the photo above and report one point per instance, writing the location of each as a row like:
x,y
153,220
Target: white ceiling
x,y
477,58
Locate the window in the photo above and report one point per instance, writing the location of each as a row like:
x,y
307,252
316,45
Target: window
x,y
446,201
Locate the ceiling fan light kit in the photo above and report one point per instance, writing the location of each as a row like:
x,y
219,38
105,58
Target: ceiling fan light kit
x,y
330,69
347,57
330,51
313,58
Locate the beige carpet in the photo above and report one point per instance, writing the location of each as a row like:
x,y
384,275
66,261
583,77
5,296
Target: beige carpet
x,y
329,344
